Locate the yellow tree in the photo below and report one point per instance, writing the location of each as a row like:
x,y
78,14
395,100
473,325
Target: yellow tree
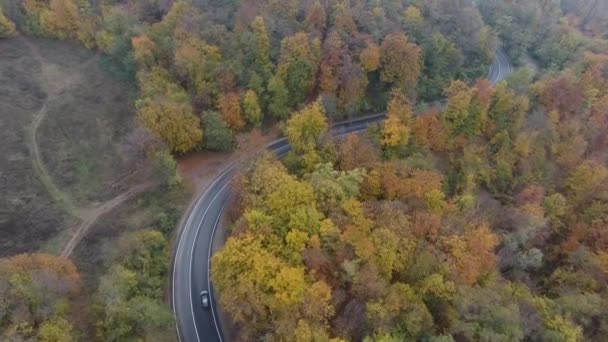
x,y
413,21
262,56
172,121
143,50
357,231
456,112
370,57
37,290
394,132
164,108
7,27
62,20
396,128
289,286
197,62
401,61
251,107
585,181
243,273
473,253
306,128
292,206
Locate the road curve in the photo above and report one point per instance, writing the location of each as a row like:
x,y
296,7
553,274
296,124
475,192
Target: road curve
x,y
500,69
191,260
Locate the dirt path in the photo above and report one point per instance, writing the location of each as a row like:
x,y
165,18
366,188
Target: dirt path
x,y
91,215
59,196
86,216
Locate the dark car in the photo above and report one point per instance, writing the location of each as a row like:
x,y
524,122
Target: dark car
x,y
205,299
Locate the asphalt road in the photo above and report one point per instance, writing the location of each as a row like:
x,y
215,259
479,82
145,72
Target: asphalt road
x,y
191,263
500,69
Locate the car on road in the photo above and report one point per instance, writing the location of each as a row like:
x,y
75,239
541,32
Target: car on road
x,y
205,299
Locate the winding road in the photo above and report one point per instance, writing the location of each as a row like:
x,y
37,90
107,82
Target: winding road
x,y
191,260
500,69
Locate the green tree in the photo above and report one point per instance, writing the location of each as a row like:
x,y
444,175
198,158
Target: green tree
x,y
197,62
129,297
57,330
166,167
146,253
414,21
507,110
441,65
488,313
555,208
400,310
125,315
298,65
218,136
333,187
279,98
262,56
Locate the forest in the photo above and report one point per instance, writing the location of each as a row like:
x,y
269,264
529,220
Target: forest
x,y
483,219
474,212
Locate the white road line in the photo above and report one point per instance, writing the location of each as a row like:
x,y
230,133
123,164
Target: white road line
x,y
192,253
179,244
219,216
499,69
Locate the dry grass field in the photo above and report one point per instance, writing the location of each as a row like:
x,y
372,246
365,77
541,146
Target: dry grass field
x,y
65,124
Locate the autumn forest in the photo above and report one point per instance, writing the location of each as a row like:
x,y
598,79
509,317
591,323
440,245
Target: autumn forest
x,y
473,212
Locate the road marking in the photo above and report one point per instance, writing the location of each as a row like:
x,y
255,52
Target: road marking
x,y
193,247
219,216
179,244
499,69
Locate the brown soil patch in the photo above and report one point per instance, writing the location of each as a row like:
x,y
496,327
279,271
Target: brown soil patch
x,y
198,169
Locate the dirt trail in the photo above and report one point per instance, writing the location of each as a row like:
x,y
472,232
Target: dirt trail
x,y
91,215
87,216
59,196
